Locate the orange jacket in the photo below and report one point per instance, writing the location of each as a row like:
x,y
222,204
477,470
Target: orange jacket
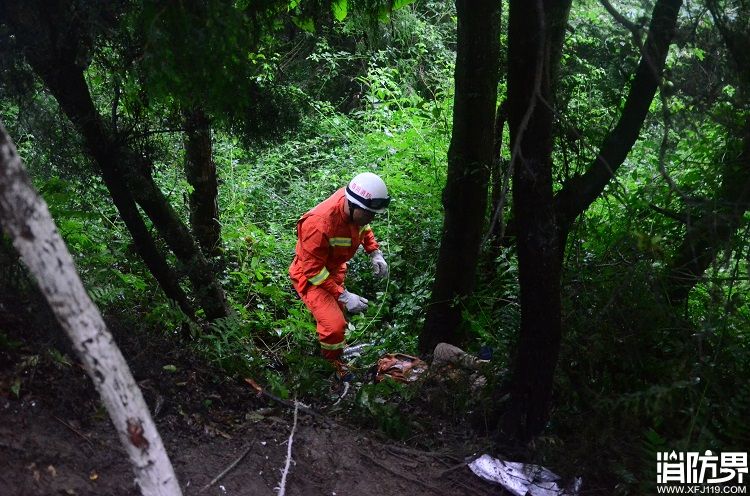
x,y
326,240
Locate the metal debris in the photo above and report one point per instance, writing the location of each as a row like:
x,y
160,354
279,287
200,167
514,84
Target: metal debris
x,y
523,479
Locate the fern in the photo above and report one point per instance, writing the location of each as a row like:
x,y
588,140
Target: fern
x,y
103,295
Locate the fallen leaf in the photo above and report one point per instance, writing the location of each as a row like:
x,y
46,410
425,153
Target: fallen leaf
x,y
93,475
254,417
52,470
254,385
15,388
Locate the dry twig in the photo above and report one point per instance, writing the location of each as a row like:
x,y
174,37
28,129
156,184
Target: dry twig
x,y
226,470
83,436
285,472
262,392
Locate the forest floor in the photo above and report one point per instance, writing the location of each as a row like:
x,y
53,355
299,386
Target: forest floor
x,y
56,438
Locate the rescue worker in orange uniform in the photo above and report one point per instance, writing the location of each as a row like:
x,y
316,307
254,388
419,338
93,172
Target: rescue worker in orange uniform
x,y
328,236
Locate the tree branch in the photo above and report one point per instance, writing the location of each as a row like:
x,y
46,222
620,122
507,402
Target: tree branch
x,y
579,192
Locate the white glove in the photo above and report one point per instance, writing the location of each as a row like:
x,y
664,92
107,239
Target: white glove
x,y
379,267
353,303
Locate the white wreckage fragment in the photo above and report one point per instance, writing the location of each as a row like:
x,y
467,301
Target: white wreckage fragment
x,y
522,479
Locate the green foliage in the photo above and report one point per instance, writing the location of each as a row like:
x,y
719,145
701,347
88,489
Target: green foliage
x,y
7,343
229,345
339,9
382,404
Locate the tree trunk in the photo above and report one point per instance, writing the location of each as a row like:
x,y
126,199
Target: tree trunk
x,y
581,191
27,221
69,87
206,287
534,40
200,171
469,161
68,82
54,58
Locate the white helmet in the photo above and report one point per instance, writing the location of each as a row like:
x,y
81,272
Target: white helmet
x,y
368,191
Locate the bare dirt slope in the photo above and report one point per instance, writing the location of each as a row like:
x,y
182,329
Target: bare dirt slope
x,y
55,438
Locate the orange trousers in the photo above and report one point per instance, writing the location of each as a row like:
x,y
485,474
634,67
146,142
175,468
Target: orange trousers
x,y
330,319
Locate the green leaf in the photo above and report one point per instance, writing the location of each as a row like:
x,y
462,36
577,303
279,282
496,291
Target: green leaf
x,y
304,23
384,13
339,8
170,368
15,388
397,4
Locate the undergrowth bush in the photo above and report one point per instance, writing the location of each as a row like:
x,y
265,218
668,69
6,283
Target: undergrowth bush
x,y
266,189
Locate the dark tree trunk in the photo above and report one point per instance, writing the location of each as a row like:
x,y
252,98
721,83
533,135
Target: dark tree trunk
x,y
200,171
177,236
469,162
66,82
54,57
534,41
581,191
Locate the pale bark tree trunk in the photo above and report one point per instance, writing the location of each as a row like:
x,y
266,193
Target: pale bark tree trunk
x,y
26,219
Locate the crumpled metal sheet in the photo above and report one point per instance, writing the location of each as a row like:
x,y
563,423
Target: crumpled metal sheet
x,y
522,479
352,352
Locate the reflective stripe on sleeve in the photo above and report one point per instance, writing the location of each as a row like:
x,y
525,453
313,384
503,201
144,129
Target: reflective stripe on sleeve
x,y
340,241
319,277
364,228
337,346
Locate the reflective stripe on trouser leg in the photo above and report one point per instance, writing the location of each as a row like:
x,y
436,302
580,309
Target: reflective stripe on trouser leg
x,y
330,319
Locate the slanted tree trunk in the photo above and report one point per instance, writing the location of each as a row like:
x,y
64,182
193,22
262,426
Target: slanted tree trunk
x,y
72,94
579,192
200,171
469,161
206,287
535,38
69,81
53,54
27,221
